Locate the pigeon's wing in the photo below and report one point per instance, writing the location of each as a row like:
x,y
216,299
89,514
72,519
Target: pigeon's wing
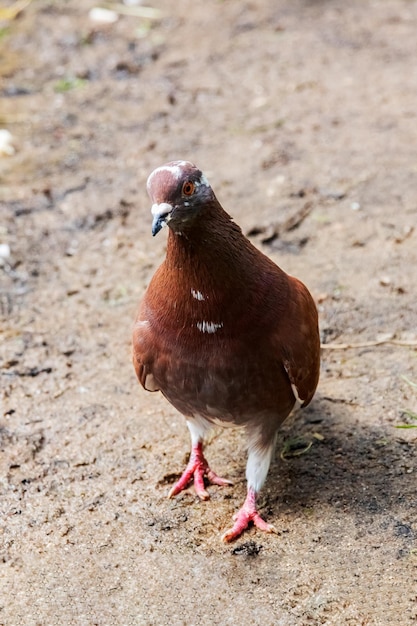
x,y
143,356
301,357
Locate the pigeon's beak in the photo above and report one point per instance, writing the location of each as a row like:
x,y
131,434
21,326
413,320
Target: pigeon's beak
x,y
161,216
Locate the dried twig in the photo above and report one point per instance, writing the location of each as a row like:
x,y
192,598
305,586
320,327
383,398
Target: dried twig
x,y
368,344
10,13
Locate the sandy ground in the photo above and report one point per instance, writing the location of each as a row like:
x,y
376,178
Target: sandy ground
x,y
303,116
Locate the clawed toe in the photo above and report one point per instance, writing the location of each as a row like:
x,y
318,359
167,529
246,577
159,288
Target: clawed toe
x,y
243,522
247,515
196,470
214,479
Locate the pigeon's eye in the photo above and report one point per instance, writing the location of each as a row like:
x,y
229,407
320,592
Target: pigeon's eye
x,y
188,188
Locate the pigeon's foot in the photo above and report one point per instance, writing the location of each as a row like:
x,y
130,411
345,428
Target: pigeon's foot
x,y
196,470
245,516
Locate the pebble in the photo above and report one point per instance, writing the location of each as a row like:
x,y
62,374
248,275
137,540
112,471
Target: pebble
x,y
4,250
385,281
6,143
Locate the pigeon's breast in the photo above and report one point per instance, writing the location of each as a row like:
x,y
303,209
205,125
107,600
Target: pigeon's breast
x,y
206,372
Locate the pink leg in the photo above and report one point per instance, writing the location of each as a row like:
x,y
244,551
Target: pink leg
x,y
247,514
196,469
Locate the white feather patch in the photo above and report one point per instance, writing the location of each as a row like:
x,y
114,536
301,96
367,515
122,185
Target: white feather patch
x,y
150,384
198,427
204,181
197,295
175,170
259,460
298,401
209,327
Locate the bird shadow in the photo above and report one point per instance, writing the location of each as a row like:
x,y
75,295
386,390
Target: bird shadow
x,y
366,469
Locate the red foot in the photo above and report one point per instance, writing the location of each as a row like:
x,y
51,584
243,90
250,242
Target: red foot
x,y
245,516
196,469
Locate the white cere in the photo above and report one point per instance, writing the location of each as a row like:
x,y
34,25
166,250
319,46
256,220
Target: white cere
x,y
161,209
209,327
197,295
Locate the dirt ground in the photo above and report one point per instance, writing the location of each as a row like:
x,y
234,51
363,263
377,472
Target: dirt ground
x,y
303,116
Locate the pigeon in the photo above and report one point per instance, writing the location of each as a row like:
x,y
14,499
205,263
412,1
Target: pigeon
x,y
227,336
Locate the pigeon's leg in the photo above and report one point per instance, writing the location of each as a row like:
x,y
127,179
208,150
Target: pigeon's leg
x,y
259,460
197,467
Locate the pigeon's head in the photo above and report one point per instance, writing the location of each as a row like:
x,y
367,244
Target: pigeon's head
x,y
178,191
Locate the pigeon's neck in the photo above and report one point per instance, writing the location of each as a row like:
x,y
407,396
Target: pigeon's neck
x,y
219,266
212,245
213,275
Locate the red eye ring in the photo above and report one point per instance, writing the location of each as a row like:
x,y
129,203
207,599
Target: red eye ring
x,y
188,188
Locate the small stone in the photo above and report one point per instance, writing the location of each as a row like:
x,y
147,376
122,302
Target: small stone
x,y
385,281
4,251
6,143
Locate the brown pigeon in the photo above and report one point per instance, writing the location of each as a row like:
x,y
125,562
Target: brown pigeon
x,y
226,335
